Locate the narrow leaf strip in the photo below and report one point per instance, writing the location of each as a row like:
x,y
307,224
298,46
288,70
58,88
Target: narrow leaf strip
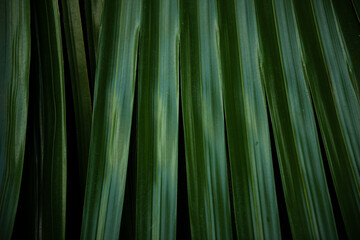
x,y
93,13
203,116
14,88
158,113
356,5
79,81
48,122
306,195
111,125
303,117
252,175
336,104
347,30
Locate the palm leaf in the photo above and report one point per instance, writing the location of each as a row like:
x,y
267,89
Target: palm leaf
x,y
335,101
299,154
253,185
203,117
158,114
110,134
230,60
14,87
79,81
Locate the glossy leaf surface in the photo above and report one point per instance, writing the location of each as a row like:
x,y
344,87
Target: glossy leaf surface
x,y
299,154
158,114
337,108
253,185
203,117
111,123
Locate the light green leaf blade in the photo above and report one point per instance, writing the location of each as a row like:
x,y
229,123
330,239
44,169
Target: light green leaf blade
x,y
304,183
79,82
203,116
335,101
255,205
111,123
158,114
14,92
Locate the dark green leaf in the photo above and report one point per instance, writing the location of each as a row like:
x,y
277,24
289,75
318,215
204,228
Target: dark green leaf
x,y
47,137
79,81
356,5
14,87
93,13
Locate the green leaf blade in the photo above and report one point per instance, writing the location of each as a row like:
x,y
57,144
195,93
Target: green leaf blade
x,y
335,102
111,124
253,183
348,28
93,14
79,82
14,93
203,117
158,114
47,140
306,195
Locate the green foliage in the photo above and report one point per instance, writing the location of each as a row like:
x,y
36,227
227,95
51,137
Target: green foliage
x,y
258,100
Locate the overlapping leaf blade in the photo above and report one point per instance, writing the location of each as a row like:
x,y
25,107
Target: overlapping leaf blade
x,y
348,32
93,13
253,185
111,125
305,188
44,184
14,88
203,118
330,78
158,114
79,82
